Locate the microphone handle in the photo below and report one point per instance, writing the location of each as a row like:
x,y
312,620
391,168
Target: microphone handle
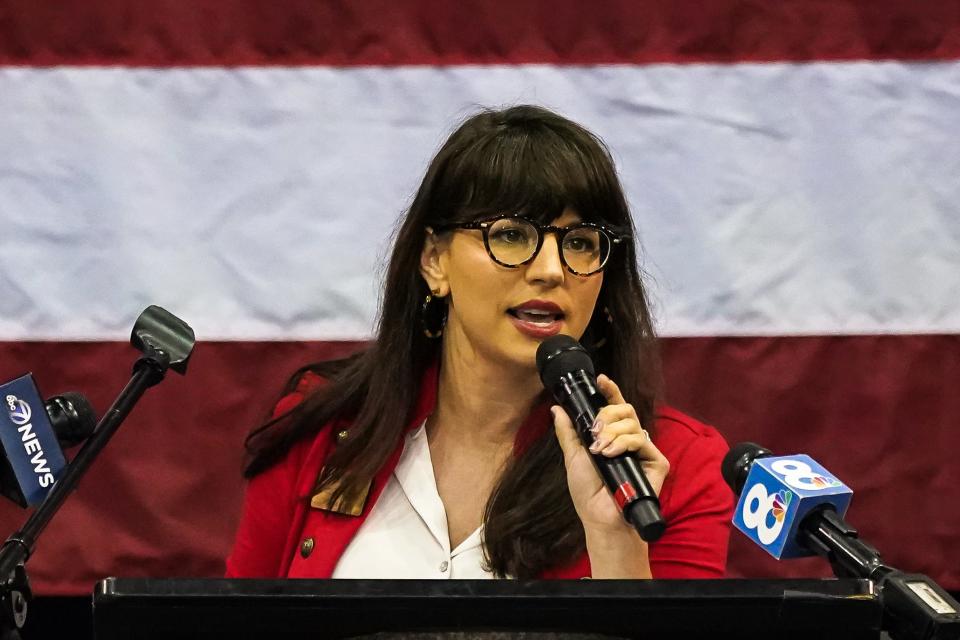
x,y
622,474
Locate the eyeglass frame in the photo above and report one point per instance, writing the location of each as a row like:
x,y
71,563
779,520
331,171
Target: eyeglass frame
x,y
542,230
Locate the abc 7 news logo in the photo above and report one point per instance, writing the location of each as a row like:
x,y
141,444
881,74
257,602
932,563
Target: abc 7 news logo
x,y
758,503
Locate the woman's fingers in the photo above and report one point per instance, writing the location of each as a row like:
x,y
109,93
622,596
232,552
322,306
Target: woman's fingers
x,y
617,408
610,390
622,444
616,430
630,429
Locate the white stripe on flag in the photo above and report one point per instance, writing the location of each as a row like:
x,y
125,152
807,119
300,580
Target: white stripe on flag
x,y
772,199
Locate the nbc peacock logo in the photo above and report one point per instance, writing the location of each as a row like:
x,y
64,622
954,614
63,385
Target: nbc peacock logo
x,y
781,502
823,482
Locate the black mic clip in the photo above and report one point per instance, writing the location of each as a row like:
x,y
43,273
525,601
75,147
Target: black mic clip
x,y
15,596
828,535
165,340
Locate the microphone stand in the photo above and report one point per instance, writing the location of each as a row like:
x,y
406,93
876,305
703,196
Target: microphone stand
x,y
914,606
166,343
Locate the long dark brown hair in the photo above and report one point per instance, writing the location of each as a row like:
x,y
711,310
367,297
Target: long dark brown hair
x,y
523,159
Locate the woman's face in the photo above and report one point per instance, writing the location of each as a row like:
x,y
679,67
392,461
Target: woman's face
x,y
500,314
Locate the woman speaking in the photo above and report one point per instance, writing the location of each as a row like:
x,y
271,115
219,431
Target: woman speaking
x,y
435,452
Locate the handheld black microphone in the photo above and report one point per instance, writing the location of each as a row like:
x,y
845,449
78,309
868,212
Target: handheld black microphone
x,y
32,434
567,372
914,606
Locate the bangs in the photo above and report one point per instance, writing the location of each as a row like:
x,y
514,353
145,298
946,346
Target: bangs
x,y
533,171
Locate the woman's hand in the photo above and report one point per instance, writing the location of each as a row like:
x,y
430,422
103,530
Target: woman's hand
x,y
611,541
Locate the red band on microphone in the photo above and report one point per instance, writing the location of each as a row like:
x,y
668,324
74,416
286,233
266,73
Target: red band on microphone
x,y
624,494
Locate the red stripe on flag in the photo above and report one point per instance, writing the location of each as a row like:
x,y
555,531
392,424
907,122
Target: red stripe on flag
x,y
438,32
880,412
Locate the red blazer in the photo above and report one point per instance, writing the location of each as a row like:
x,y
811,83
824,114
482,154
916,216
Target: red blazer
x,y
277,517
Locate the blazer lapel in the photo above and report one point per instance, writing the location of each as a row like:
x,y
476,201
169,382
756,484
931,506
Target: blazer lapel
x,y
335,525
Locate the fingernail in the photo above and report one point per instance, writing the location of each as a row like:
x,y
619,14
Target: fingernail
x,y
598,445
596,427
553,412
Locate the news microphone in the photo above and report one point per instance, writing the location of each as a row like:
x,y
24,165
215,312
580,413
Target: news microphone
x,y
777,493
566,370
792,507
31,435
72,418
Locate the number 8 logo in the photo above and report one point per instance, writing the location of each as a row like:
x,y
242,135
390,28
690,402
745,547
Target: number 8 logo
x,y
756,506
797,474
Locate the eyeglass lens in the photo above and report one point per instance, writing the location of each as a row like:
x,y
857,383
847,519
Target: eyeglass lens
x,y
513,241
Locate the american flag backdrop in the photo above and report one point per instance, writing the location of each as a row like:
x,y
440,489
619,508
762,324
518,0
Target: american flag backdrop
x,y
793,168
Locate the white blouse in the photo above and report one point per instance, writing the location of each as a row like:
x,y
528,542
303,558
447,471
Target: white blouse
x,y
405,535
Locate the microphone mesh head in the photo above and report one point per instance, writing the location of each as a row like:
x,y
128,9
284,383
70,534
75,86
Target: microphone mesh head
x,y
72,418
736,464
558,355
